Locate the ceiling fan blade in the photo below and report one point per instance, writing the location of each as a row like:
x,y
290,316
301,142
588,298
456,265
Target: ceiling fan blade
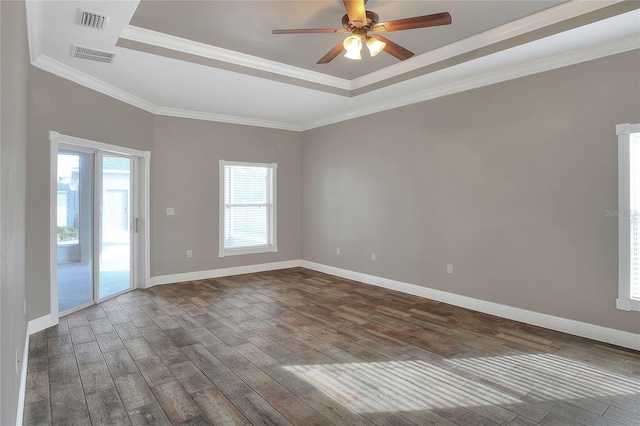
x,y
412,23
356,12
394,49
330,56
309,30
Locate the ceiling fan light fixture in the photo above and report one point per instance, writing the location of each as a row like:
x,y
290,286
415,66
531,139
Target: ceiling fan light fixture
x,y
375,46
359,22
353,45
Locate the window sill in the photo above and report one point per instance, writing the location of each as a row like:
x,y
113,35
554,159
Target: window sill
x,y
628,304
251,250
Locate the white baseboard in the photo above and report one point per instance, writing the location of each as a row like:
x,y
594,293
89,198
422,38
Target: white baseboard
x,y
224,272
41,323
591,331
565,325
33,326
23,379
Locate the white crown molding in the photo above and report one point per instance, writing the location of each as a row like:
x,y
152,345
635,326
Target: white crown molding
x,y
70,73
34,28
565,325
556,14
154,38
222,118
516,28
521,70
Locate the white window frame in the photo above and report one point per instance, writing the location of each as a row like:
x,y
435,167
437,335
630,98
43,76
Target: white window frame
x,y
624,301
272,245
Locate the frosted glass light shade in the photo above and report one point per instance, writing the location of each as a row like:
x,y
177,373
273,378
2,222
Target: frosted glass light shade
x,y
353,45
375,46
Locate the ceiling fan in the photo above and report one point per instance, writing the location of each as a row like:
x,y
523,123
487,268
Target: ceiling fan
x,y
359,22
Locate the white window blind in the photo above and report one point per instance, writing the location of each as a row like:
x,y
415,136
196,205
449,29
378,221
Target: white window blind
x,y
247,219
628,214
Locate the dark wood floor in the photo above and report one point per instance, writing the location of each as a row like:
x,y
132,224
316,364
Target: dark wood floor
x,y
300,347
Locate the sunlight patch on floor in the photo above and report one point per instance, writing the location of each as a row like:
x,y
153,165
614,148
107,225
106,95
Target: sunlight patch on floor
x,y
466,382
397,386
550,375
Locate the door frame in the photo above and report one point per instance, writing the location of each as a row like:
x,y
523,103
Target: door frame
x,y
141,274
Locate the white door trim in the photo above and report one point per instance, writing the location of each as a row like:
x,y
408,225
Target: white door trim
x,y
141,278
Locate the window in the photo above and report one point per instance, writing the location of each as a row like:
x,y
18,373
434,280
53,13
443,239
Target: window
x,y
247,208
628,216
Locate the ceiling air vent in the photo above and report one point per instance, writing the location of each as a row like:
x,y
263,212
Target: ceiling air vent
x,y
92,20
92,54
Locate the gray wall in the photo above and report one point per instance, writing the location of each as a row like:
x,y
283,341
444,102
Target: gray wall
x,y
13,141
185,177
509,183
66,107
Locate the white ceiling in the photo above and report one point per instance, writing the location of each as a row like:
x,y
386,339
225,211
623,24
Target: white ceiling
x,y
172,60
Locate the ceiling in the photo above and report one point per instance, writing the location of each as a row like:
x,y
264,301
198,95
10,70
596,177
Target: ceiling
x,y
217,60
245,26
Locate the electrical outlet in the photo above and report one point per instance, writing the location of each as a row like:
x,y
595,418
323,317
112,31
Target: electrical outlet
x,y
373,257
171,211
189,253
337,250
449,268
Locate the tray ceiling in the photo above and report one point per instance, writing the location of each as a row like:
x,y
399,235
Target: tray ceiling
x,y
217,60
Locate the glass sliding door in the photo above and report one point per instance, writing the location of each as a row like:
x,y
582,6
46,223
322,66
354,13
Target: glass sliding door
x,y
115,233
94,218
74,229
